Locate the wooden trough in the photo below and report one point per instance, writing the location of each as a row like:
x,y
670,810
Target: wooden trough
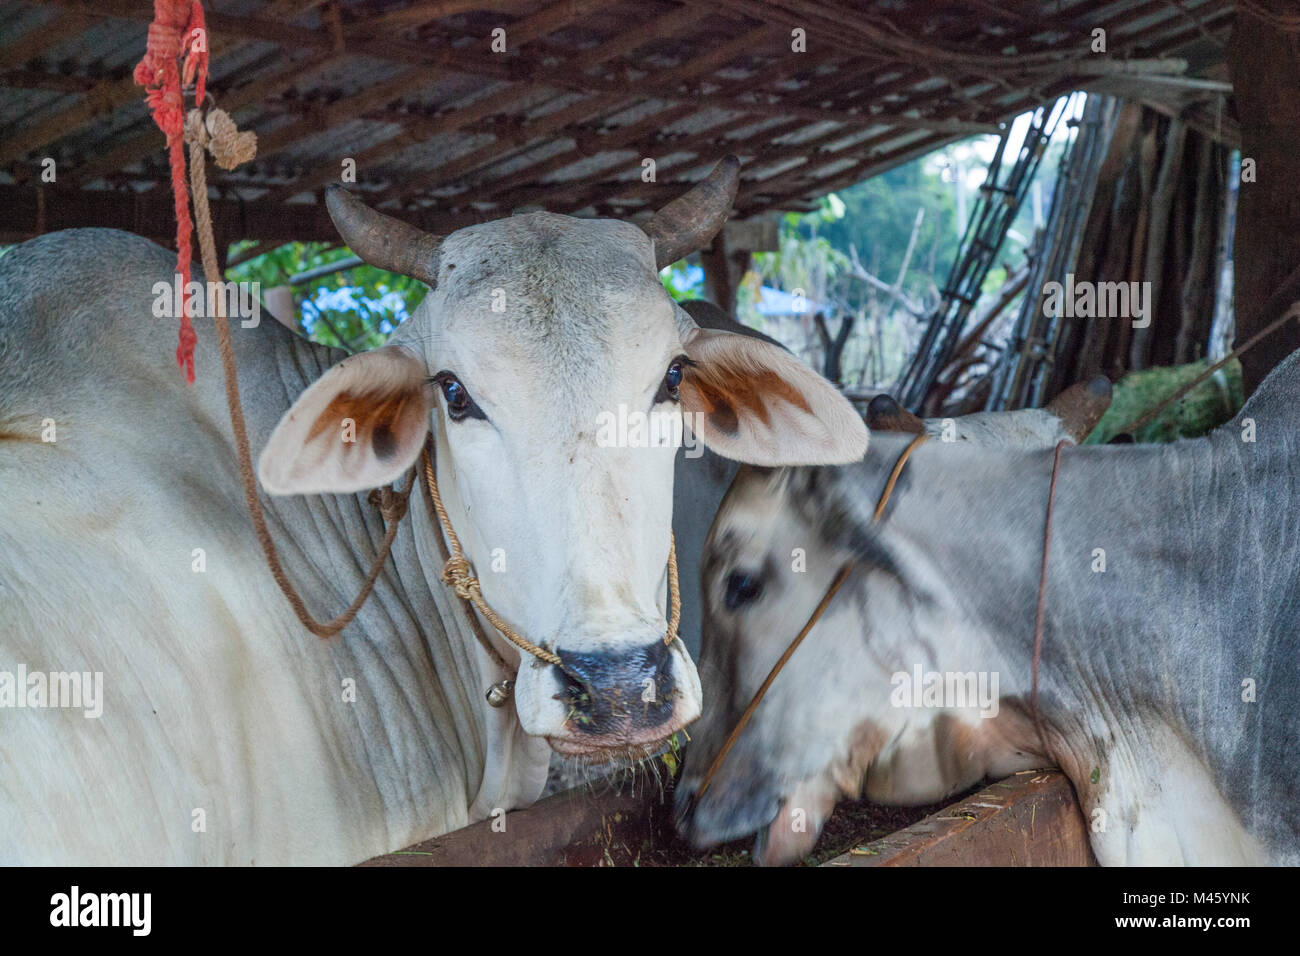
x,y
1030,819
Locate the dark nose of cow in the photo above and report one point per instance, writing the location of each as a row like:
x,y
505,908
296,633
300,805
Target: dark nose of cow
x,y
612,692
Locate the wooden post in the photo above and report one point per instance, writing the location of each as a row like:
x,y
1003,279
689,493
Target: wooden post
x,y
1201,280
1157,238
724,267
1264,63
833,345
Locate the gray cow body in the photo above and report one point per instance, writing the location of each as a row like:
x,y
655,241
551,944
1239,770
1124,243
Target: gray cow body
x,y
1169,680
98,574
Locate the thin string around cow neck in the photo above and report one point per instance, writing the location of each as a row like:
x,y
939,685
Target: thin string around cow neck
x,y
837,582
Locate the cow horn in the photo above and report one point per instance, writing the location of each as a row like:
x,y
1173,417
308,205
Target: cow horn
x,y
382,241
1081,406
689,222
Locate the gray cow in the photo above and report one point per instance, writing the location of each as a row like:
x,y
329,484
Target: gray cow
x,y
1169,671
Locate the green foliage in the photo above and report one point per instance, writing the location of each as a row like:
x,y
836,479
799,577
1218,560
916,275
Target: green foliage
x,y
878,218
875,220
683,281
806,264
356,308
1199,412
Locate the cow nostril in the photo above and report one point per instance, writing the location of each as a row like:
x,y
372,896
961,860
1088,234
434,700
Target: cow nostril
x,y
576,695
608,692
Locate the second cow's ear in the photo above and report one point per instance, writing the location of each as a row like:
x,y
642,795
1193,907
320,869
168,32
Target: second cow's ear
x,y
754,402
884,414
360,425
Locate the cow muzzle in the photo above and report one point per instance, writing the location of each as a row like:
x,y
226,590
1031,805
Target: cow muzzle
x,y
786,827
610,703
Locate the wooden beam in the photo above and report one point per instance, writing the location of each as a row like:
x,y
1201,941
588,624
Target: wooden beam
x,y
101,99
645,138
631,137
105,97
40,80
416,14
520,34
576,828
741,45
28,213
135,148
470,116
1031,819
1266,249
35,42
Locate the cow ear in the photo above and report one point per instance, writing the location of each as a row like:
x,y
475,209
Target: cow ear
x,y
754,402
360,425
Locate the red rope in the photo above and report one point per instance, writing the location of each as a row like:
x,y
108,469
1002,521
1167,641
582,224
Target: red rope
x,y
177,28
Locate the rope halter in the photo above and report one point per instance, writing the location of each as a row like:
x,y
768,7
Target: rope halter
x,y
458,574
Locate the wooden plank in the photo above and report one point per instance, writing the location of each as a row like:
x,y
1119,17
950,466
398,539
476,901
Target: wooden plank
x,y
27,213
1031,819
100,99
576,828
33,44
520,33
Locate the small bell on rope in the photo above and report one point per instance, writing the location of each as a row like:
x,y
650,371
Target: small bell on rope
x,y
499,694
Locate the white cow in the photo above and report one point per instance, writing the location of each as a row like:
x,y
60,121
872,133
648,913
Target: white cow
x,y
230,735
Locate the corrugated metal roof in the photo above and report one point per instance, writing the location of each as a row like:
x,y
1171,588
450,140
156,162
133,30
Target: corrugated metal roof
x,y
450,131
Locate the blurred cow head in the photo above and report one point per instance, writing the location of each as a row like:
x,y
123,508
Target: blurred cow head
x,y
827,727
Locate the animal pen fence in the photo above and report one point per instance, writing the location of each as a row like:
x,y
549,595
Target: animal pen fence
x,y
608,108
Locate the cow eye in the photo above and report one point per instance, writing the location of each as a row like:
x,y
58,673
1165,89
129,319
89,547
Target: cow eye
x,y
743,588
668,389
459,404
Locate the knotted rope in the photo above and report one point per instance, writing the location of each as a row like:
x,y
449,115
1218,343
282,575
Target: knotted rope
x,y
458,574
228,146
178,28
392,503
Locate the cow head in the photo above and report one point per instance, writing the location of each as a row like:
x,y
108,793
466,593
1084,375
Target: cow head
x,y
831,724
542,333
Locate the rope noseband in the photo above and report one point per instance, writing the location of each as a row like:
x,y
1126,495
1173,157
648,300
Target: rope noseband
x,y
459,576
